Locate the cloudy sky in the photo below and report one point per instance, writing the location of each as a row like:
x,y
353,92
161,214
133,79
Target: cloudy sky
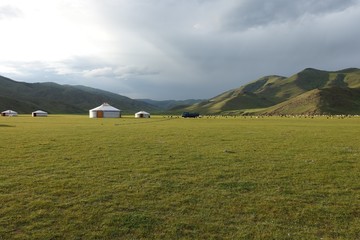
x,y
174,49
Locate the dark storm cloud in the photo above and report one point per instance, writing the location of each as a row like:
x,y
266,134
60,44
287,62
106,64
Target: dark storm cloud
x,y
196,58
257,13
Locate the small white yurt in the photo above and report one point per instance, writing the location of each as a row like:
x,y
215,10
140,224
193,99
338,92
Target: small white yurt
x,y
39,113
9,113
142,114
104,111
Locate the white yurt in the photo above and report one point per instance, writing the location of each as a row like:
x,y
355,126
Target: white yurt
x,y
39,113
9,113
104,111
142,114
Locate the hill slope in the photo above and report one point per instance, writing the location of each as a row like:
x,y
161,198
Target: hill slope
x,y
54,98
333,100
310,91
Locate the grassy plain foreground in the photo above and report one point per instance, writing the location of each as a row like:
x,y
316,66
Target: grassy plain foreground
x,y
71,177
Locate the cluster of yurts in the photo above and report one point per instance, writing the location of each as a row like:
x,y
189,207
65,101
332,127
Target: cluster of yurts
x,y
12,113
107,111
102,111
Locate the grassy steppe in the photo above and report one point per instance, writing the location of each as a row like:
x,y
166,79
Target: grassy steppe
x,y
71,177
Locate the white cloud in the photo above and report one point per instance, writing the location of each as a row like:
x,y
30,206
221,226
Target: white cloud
x,y
8,12
7,70
99,72
50,31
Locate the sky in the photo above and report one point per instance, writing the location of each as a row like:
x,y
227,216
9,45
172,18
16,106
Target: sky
x,y
174,49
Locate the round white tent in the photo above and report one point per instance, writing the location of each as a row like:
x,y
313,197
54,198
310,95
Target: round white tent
x,y
142,114
39,113
9,113
104,111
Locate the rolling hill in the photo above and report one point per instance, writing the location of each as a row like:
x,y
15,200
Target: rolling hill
x,y
310,91
54,98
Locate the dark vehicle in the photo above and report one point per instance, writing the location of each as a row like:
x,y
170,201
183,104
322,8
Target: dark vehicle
x,y
190,115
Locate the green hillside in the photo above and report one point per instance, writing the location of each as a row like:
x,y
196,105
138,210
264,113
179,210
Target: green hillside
x,y
334,100
306,103
310,91
54,98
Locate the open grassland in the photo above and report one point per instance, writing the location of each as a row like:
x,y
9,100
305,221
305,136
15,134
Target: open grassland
x,y
71,177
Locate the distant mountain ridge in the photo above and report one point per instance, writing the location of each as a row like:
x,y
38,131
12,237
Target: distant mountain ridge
x,y
55,98
310,91
170,104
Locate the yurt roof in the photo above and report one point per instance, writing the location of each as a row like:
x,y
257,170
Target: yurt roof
x,y
39,111
9,111
142,112
105,107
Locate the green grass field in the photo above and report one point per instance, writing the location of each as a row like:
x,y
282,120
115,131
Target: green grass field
x,y
71,177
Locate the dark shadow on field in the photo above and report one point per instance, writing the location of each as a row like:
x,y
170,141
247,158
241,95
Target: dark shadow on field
x,y
5,125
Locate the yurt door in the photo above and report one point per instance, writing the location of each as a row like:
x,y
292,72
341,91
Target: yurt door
x,y
99,114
